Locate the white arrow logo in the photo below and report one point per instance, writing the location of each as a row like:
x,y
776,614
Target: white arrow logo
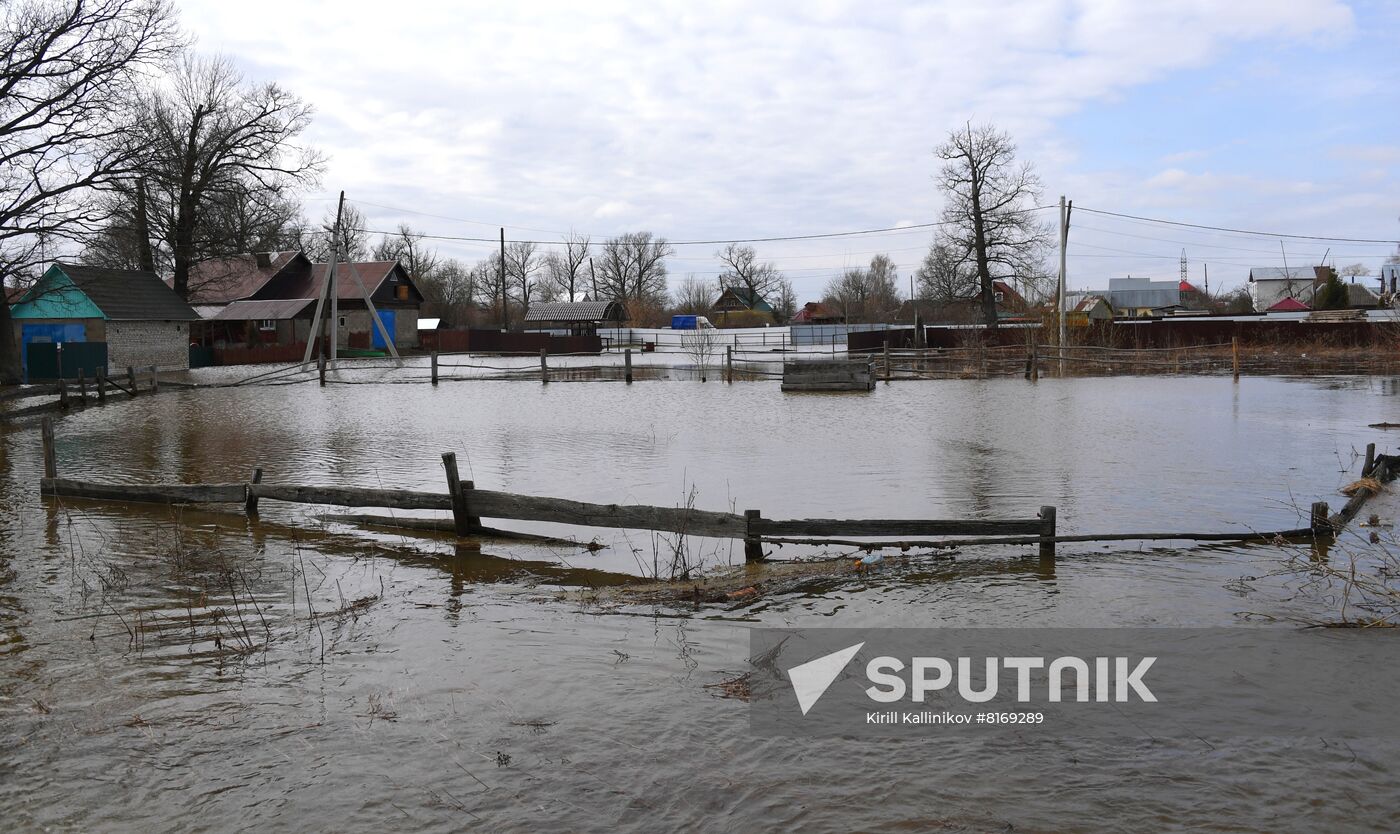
x,y
811,680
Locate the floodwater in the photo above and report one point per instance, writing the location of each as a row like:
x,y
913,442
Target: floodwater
x,y
186,670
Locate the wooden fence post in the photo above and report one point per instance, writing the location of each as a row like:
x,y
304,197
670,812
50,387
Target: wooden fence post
x,y
473,521
131,379
1319,523
155,380
753,545
101,385
435,367
454,489
63,393
321,369
627,365
1370,460
50,457
1235,353
250,504
1035,362
82,387
544,365
1047,531
729,364
887,359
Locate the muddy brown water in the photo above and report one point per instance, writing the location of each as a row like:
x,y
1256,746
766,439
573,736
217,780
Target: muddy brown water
x,y
166,670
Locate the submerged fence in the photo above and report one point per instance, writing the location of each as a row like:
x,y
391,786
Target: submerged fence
x,y
469,505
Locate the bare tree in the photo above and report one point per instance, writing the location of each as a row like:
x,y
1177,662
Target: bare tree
x,y
452,286
214,140
632,270
406,246
987,214
315,241
743,270
523,264
693,296
702,345
1357,269
566,270
785,301
68,72
866,295
489,280
945,276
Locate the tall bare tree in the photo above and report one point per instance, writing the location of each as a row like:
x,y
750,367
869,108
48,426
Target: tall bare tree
x,y
68,73
566,270
453,286
784,301
523,265
866,295
408,248
693,296
632,269
214,140
742,269
987,213
945,276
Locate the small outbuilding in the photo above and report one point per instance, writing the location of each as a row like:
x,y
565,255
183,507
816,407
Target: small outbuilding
x,y
140,319
579,318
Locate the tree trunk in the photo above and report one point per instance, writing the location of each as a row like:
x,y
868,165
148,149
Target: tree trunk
x,y
979,245
143,230
10,373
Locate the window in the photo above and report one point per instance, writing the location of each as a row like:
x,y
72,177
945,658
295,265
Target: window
x,y
267,324
342,321
401,292
996,296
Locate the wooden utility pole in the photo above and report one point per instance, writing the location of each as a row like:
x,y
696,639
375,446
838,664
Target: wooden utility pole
x,y
318,320
1061,308
593,278
505,311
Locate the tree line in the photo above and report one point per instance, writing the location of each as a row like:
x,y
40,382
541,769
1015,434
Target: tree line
x,y
118,140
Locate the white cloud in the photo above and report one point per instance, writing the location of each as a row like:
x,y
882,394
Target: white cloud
x,y
724,119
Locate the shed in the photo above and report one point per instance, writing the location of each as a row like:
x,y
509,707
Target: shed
x,y
578,317
141,320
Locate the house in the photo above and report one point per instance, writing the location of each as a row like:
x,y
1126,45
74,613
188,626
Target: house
x,y
734,299
579,318
140,319
1010,305
1142,297
814,312
1083,308
223,291
1271,284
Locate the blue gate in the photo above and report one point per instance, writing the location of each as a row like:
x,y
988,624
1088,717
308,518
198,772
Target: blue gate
x,y
386,316
47,334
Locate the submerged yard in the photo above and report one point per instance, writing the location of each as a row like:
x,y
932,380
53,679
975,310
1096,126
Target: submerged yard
x,y
163,668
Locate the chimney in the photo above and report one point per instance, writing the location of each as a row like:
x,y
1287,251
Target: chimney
x,y
264,259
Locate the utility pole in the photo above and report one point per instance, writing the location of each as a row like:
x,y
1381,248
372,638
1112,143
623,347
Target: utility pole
x,y
505,311
1061,305
334,289
318,321
593,277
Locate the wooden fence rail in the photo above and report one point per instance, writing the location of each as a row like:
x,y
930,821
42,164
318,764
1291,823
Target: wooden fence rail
x,y
469,505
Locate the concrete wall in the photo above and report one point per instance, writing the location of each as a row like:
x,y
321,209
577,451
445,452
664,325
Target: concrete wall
x,y
405,326
165,344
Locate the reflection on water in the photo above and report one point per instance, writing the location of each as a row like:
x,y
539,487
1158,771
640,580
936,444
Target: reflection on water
x,y
180,669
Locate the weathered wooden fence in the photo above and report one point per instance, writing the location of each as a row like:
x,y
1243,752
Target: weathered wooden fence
x,y
468,505
68,394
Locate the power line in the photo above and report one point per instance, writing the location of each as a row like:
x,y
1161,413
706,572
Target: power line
x,y
1324,238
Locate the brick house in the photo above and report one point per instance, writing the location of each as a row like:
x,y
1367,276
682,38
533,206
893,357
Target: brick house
x,y
141,320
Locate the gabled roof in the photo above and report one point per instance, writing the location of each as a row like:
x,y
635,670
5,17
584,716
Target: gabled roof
x,y
372,274
813,310
126,295
1289,305
1278,273
275,308
240,276
748,298
1186,286
575,311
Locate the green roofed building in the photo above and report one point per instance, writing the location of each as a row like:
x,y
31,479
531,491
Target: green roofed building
x,y
141,320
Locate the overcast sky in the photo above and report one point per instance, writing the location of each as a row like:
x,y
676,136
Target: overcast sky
x,y
727,120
